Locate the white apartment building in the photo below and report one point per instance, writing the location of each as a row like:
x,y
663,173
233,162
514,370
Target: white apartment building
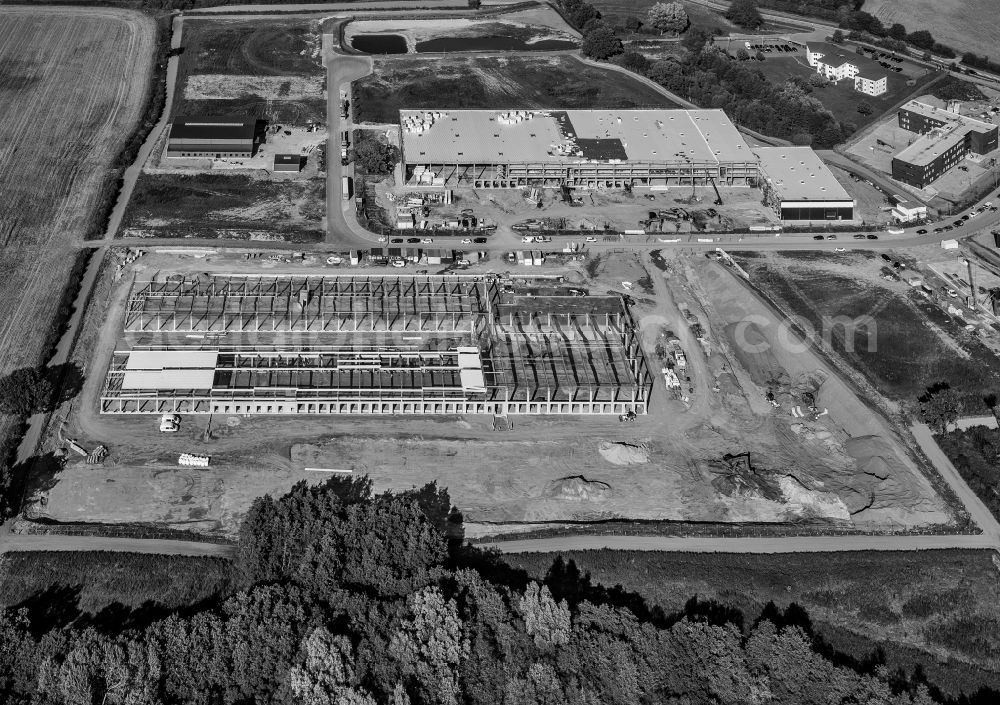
x,y
836,63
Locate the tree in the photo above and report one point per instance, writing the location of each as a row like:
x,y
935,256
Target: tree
x,y
742,54
865,108
579,13
25,391
897,31
668,17
695,40
837,37
327,677
634,61
601,43
817,80
940,406
745,13
474,4
921,38
375,156
545,619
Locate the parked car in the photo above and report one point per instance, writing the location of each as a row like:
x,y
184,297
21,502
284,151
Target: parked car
x,y
872,236
396,240
859,236
413,240
170,423
591,238
959,223
398,263
840,249
427,240
831,236
818,237
479,240
466,241
922,231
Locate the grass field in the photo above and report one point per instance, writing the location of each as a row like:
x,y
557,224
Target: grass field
x,y
840,98
110,590
225,206
270,69
936,605
73,87
964,25
495,82
915,344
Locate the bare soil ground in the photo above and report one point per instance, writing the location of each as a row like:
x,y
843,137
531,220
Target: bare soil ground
x,y
242,207
468,82
847,467
73,85
268,68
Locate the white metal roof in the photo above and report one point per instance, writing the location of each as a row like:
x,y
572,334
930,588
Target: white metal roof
x,y
171,359
472,380
490,136
169,379
798,174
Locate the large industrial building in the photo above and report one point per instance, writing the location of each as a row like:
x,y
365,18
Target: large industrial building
x,y
213,137
614,149
581,148
946,138
371,345
799,187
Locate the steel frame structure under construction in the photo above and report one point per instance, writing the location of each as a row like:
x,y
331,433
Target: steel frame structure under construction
x,y
467,348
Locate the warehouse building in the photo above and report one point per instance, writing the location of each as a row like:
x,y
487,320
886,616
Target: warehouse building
x,y
359,344
799,187
579,148
836,64
213,137
946,138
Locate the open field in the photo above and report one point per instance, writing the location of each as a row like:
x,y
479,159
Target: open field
x,y
840,98
844,469
494,82
913,343
73,87
936,608
269,69
225,206
107,590
964,25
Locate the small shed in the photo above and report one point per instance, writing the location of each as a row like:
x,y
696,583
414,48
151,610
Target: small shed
x,y
288,162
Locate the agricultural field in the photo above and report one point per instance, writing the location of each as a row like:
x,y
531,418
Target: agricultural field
x,y
840,98
74,87
964,25
935,608
913,344
269,70
468,82
225,206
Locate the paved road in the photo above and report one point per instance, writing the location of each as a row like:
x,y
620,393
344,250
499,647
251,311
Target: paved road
x,y
342,227
20,542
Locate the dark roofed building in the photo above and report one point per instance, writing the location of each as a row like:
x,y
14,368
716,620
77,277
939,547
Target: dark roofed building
x,y
287,162
214,137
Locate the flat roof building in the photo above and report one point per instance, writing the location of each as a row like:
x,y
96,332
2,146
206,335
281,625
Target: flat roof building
x,y
583,148
946,138
214,137
799,187
288,162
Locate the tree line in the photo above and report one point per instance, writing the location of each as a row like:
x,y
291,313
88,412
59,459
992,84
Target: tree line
x,y
343,596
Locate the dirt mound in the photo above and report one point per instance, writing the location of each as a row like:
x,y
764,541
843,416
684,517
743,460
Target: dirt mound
x,y
579,489
624,453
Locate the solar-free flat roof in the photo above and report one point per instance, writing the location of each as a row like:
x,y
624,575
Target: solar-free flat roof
x,y
799,175
171,359
168,379
287,159
568,136
931,145
936,113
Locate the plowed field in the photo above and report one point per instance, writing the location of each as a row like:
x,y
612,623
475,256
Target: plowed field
x,y
72,87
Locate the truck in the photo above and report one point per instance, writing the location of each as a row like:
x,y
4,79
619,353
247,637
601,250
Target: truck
x,y
345,142
346,187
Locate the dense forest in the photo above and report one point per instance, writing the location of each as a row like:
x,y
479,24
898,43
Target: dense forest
x,y
975,453
345,597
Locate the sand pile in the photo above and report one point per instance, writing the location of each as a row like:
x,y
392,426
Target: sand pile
x,y
624,453
579,489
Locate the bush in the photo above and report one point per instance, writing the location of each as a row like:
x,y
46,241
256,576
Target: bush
x,y
634,61
375,156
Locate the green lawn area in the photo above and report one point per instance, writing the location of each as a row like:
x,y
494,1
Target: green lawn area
x,y
907,354
115,590
841,98
939,609
501,83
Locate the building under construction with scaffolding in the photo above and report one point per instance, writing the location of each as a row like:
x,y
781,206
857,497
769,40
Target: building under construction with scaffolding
x,y
234,344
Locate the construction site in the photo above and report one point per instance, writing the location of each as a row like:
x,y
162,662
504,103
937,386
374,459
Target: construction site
x,y
613,387
379,344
